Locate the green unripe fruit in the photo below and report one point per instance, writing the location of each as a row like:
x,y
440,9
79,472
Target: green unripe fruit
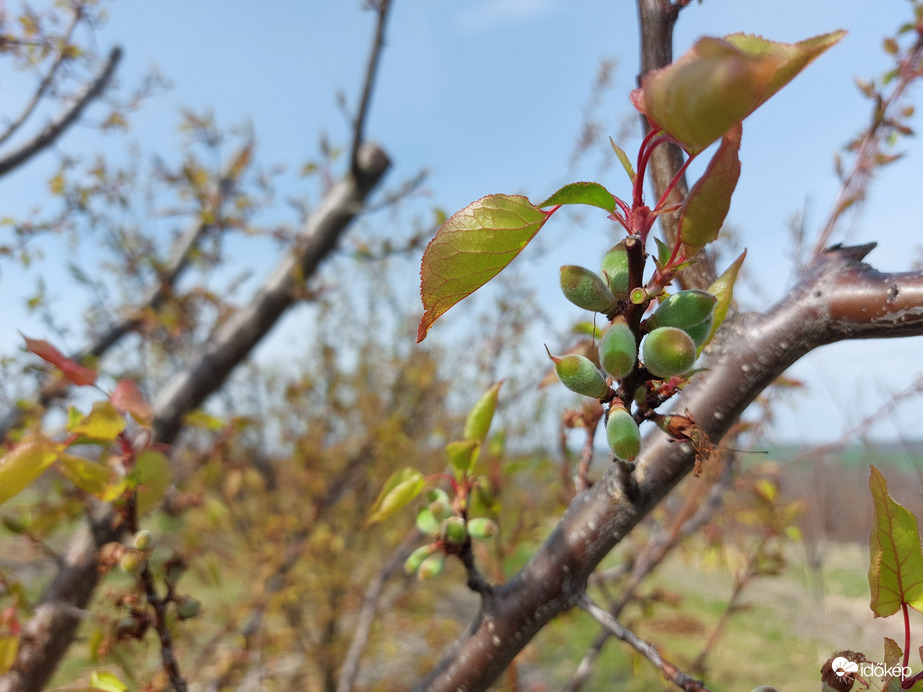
x,y
578,374
412,563
618,349
615,270
623,435
481,527
144,540
668,351
683,310
131,562
431,566
427,522
700,332
453,531
188,607
585,289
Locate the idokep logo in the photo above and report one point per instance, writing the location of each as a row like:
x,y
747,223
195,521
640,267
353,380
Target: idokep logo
x,y
842,666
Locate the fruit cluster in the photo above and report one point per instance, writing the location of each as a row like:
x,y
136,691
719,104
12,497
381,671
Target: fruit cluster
x,y
670,340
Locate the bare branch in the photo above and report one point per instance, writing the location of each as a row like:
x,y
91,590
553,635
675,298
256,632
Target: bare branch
x,y
748,354
617,629
382,7
50,134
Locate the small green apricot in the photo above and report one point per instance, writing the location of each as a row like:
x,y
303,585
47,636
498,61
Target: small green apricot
x,y
683,310
412,563
618,349
700,332
668,351
144,540
431,566
453,530
188,607
585,289
481,527
131,562
580,375
615,270
622,434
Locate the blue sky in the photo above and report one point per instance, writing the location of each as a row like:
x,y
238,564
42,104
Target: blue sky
x,y
488,95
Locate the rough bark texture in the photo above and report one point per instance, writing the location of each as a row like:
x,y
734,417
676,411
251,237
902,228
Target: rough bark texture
x,y
839,298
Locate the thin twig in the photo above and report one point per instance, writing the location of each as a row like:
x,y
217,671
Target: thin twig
x,y
50,134
382,8
646,649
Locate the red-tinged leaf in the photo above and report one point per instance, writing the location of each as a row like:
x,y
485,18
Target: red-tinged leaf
x,y
399,490
471,248
127,398
482,413
719,82
152,472
26,462
723,290
103,423
71,369
896,564
592,194
92,477
706,206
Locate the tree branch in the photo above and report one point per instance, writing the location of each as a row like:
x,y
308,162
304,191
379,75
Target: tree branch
x,y
50,134
748,354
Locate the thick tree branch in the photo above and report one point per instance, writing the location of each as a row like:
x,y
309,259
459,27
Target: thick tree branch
x,y
50,134
838,298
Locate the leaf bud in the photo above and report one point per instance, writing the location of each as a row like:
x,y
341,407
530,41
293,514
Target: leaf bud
x,y
431,566
144,540
412,563
615,270
618,349
683,310
586,289
482,527
453,531
622,434
579,375
668,351
188,607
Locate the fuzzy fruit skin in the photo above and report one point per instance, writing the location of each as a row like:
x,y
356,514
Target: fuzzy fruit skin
x,y
579,375
586,289
453,530
683,310
482,527
623,435
668,351
144,540
615,270
412,564
700,332
618,349
132,562
431,566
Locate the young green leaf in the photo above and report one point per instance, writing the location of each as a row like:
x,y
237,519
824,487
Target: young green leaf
x,y
462,455
624,160
591,194
896,564
92,477
719,82
107,682
482,413
706,206
152,470
26,462
103,423
471,248
723,290
399,490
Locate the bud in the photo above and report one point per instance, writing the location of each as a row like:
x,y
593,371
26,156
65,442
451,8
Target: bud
x,y
431,566
622,434
144,540
482,527
412,564
668,351
615,270
683,310
578,374
131,562
618,349
453,531
585,289
439,503
187,607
